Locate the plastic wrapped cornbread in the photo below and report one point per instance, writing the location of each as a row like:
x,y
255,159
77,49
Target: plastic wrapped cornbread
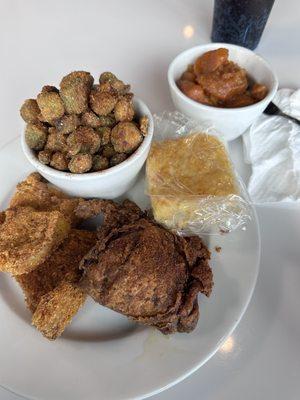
x,y
191,180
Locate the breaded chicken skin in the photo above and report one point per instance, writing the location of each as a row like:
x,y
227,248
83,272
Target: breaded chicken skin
x,y
146,272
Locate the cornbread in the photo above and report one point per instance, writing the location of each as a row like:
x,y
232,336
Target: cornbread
x,y
188,177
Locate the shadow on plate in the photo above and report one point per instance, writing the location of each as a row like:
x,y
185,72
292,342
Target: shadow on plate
x,y
225,287
93,323
104,336
13,297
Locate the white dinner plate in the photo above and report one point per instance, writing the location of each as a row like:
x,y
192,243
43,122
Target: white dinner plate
x,y
103,356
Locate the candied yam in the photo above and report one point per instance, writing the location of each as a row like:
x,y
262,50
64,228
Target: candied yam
x,y
193,91
241,100
229,82
210,61
258,91
188,76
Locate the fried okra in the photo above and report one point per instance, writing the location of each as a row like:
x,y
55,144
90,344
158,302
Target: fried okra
x,y
124,110
115,83
59,161
107,120
75,90
104,133
83,140
44,156
56,141
80,163
90,119
35,136
116,87
49,88
67,124
99,163
108,150
51,106
106,87
30,111
107,77
126,137
97,123
144,125
102,103
120,87
117,159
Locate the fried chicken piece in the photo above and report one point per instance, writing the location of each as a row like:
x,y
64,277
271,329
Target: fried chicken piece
x,y
115,215
27,237
61,266
144,271
37,193
56,309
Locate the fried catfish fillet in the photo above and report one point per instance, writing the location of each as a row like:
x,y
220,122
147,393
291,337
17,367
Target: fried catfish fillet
x,y
61,266
37,193
56,309
50,290
144,271
27,238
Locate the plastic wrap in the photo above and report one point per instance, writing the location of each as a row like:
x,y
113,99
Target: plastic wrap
x,y
192,183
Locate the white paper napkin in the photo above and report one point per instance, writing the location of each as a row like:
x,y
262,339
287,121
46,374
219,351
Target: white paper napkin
x,y
272,147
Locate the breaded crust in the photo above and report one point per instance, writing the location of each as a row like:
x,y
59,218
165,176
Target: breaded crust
x,y
39,194
144,271
56,309
61,266
27,238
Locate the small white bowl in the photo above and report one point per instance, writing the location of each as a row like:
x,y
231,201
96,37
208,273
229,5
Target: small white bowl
x,y
230,122
107,184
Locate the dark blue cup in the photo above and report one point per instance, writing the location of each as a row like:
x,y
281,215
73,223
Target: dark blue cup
x,y
240,22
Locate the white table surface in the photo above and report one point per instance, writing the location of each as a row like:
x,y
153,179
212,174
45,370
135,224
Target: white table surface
x,y
42,40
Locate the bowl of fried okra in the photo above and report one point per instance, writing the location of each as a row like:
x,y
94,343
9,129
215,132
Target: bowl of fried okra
x,y
90,139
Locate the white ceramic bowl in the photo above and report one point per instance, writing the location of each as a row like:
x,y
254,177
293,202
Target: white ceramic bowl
x,y
230,122
107,184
